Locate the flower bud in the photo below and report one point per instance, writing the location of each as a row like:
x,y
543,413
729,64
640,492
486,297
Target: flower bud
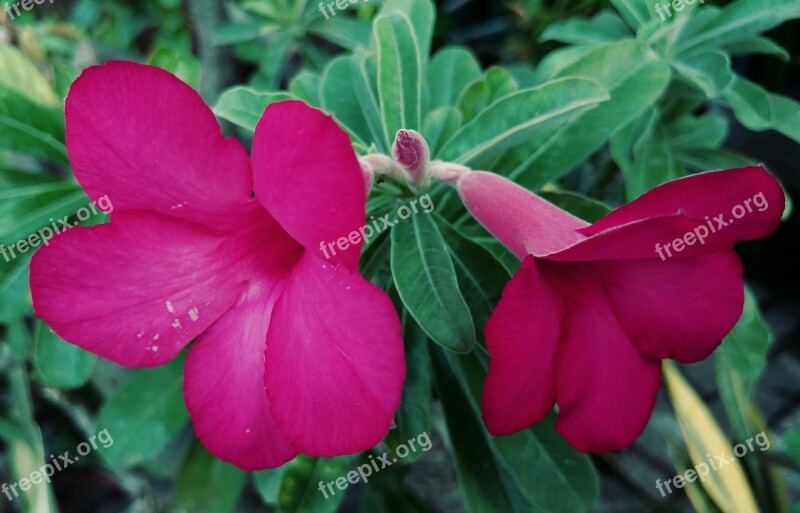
x,y
411,152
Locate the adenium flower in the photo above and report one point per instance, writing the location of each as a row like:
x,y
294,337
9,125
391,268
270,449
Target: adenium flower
x,y
294,353
593,309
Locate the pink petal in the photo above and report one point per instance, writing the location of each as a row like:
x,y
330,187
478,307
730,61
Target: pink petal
x,y
137,290
307,175
605,387
334,361
523,222
144,138
224,386
521,336
708,195
680,309
642,240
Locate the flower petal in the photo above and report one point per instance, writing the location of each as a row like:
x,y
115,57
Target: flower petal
x,y
522,221
334,361
680,309
521,335
708,195
307,175
605,387
224,386
137,290
652,238
145,139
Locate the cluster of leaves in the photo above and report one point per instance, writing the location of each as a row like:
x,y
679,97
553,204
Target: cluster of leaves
x,y
647,94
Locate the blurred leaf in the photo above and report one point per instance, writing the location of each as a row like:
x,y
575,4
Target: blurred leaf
x,y
634,12
207,484
185,67
244,106
144,414
604,26
346,32
740,20
728,485
19,75
60,363
268,483
28,127
426,281
300,492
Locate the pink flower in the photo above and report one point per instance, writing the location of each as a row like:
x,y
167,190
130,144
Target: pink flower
x,y
294,353
593,309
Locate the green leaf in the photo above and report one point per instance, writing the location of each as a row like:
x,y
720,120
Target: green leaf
x,y
758,45
184,66
426,281
348,33
642,152
399,75
708,71
299,491
439,127
60,363
745,348
758,109
207,484
635,78
365,78
449,72
268,483
19,75
481,276
338,97
634,12
305,86
604,26
740,20
244,106
526,116
421,14
144,414
413,417
576,204
485,484
532,470
28,127
495,84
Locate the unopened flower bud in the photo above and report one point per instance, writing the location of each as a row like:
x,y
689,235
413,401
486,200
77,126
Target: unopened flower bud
x,y
411,152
